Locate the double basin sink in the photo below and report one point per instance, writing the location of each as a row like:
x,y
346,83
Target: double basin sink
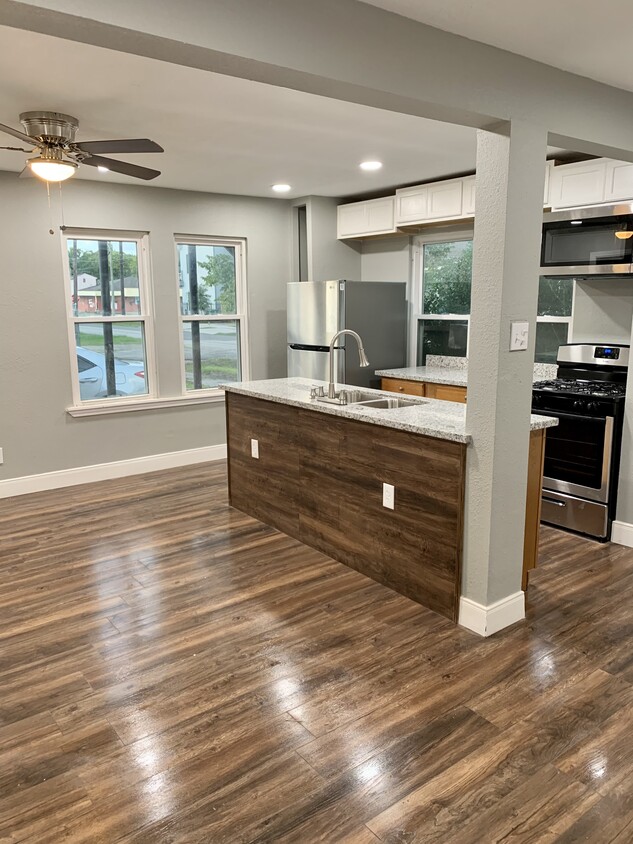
x,y
360,399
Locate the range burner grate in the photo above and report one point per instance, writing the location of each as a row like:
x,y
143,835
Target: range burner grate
x,y
601,389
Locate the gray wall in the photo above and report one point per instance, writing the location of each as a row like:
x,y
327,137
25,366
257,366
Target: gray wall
x,y
328,258
385,260
603,311
36,433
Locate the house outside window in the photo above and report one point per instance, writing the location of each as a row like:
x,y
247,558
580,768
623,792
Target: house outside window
x,y
110,325
212,293
441,301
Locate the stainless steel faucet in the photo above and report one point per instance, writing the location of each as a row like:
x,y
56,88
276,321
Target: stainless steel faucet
x,y
331,390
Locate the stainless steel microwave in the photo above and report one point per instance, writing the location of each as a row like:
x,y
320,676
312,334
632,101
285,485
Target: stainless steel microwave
x,y
588,241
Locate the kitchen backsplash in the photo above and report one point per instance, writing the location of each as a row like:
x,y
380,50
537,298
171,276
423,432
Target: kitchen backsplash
x,y
542,371
447,362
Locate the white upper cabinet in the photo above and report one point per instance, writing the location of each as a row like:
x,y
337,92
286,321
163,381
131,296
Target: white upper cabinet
x,y
591,183
424,203
618,181
361,219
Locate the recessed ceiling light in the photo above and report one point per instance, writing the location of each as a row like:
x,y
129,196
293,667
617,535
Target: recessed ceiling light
x,y
371,165
281,188
103,169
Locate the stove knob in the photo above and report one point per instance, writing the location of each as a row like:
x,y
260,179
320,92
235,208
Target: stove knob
x,y
579,405
593,405
537,398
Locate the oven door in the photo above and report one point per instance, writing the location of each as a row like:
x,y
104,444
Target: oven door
x,y
578,455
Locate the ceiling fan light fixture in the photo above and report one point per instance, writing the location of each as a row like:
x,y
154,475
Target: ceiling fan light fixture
x,y
51,166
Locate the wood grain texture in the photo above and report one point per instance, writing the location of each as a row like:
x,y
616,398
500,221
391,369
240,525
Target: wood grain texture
x,y
319,478
399,385
446,392
536,458
173,671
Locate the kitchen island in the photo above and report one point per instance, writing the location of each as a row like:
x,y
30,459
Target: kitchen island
x,y
316,472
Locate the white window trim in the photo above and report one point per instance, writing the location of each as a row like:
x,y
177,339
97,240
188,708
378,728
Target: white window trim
x,y
241,301
112,405
416,296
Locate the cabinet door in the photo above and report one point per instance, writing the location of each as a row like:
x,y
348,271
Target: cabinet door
x,y
446,392
357,219
396,385
468,202
444,200
578,184
619,180
411,205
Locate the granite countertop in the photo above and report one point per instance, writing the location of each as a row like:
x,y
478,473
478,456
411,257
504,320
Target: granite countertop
x,y
429,417
452,371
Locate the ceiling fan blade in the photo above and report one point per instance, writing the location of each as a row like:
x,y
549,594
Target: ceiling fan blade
x,y
121,167
17,134
129,145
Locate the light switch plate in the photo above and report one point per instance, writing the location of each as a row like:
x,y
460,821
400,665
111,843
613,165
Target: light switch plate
x,y
255,449
519,335
388,496
1,456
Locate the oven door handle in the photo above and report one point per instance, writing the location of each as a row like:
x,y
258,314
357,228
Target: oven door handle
x,y
563,415
556,503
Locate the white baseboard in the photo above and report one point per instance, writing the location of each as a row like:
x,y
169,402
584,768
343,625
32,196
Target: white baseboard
x,y
488,620
622,533
107,471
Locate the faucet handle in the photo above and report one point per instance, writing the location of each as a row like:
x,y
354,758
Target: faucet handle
x,y
313,392
316,392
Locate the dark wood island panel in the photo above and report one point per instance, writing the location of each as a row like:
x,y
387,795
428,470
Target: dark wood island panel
x,y
319,479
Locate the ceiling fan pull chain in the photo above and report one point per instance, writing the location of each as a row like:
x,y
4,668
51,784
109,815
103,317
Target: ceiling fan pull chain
x,y
61,204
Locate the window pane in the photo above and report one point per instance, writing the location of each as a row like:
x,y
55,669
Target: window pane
x,y
96,270
447,274
111,359
211,353
441,337
555,296
206,276
549,336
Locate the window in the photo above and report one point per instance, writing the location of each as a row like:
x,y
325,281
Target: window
x,y
442,303
555,296
109,315
212,306
443,298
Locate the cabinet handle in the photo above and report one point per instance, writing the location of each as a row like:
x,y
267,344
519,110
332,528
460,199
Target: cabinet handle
x,y
401,389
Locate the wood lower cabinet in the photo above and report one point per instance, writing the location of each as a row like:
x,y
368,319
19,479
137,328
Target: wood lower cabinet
x,y
536,458
444,392
397,385
319,479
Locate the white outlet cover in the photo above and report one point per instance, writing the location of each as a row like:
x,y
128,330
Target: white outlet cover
x,y
255,449
519,336
388,496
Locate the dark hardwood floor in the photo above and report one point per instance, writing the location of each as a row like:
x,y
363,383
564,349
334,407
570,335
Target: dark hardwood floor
x,y
174,671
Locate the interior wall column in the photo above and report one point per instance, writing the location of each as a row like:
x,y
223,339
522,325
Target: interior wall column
x,y
508,222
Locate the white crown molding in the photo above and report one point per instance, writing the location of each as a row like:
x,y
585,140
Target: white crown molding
x,y
108,471
488,620
622,533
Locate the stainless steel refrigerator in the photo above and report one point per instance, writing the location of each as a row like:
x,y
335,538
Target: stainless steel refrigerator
x,y
377,310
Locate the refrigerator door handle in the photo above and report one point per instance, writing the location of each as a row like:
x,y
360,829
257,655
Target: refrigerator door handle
x,y
300,347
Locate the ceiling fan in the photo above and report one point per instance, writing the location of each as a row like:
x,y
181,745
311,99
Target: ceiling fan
x,y
52,135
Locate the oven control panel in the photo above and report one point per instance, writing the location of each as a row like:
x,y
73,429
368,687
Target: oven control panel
x,y
607,352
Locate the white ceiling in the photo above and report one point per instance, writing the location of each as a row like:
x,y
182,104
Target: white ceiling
x,y
220,134
583,36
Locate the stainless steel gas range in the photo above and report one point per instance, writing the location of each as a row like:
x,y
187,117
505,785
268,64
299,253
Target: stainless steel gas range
x,y
582,453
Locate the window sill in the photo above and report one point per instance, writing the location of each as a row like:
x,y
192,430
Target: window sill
x,y
133,405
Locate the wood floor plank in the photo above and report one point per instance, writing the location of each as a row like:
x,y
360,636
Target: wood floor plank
x,y
175,672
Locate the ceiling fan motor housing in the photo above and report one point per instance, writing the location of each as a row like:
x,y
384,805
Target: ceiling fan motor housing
x,y
51,127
